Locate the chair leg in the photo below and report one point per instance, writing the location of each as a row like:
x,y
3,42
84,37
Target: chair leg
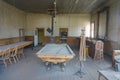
x,y
102,56
23,55
95,56
10,61
14,59
5,63
17,58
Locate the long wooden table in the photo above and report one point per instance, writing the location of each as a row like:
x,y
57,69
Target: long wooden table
x,y
10,46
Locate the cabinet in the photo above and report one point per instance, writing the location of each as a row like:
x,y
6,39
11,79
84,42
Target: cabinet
x,y
91,49
63,35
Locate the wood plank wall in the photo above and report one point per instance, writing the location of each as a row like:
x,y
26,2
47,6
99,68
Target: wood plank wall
x,y
10,40
109,46
29,38
72,41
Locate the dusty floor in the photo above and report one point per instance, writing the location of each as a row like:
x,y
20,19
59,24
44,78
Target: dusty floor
x,y
32,68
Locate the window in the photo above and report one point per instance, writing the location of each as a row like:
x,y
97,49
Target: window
x,y
102,25
92,29
103,17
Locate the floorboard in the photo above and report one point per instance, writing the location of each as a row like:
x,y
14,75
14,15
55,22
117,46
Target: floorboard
x,y
32,68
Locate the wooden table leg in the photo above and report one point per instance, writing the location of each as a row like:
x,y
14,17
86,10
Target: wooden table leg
x,y
99,76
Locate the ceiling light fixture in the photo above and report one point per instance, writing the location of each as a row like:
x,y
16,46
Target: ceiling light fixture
x,y
53,13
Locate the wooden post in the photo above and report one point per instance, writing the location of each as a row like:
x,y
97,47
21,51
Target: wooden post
x,y
82,52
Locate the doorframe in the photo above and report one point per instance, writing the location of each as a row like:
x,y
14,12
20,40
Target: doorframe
x,y
43,32
21,34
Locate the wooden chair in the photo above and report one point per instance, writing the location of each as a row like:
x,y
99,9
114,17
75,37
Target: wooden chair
x,y
14,54
99,51
115,56
20,51
5,57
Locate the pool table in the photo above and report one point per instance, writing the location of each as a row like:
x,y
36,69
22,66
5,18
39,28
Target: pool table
x,y
55,53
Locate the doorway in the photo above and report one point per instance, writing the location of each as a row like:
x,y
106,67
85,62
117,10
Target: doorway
x,y
41,35
21,34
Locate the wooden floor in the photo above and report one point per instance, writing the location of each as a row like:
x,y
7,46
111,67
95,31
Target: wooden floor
x,y
32,68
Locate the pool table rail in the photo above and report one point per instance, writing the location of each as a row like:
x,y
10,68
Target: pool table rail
x,y
56,58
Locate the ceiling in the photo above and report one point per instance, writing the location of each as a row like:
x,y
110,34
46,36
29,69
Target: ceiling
x,y
62,6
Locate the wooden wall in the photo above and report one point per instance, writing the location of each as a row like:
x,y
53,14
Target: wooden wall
x,y
10,40
72,41
109,46
29,38
47,39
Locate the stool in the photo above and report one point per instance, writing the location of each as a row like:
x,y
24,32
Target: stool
x,y
99,51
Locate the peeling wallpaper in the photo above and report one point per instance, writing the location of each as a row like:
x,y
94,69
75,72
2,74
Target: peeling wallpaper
x,y
74,23
11,19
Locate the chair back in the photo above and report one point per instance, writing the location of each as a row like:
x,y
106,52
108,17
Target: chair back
x,y
99,45
6,53
14,51
1,53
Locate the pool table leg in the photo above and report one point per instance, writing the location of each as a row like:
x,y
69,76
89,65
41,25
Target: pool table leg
x,y
63,66
49,65
46,63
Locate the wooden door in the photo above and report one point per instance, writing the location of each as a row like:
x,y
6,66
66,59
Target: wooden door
x,y
40,35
